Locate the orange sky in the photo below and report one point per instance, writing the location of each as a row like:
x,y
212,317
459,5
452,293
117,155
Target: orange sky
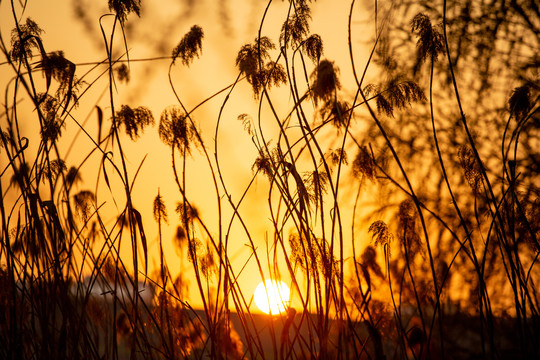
x,y
227,27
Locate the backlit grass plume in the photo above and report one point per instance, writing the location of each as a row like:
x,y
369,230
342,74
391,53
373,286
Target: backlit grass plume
x,y
520,101
55,66
296,28
134,120
396,93
24,40
123,7
325,81
159,209
52,122
253,61
430,41
175,129
190,46
363,164
471,168
382,237
313,47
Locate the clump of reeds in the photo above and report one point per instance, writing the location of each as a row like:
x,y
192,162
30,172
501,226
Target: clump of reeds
x,y
365,286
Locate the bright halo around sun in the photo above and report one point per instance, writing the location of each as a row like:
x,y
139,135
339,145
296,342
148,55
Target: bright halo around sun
x,y
273,298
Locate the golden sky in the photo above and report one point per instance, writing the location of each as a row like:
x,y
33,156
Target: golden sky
x,y
227,25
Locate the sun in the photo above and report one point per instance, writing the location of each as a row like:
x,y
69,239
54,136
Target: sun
x,y
272,297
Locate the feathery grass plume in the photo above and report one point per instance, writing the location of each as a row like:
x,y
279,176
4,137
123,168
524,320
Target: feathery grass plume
x,y
473,173
381,234
303,194
311,255
397,93
22,44
175,129
316,185
296,256
194,248
55,168
403,92
263,164
273,73
251,61
326,260
335,111
47,104
160,211
430,41
371,89
337,155
313,47
187,214
407,231
383,105
123,7
407,214
325,81
296,27
134,120
123,73
383,317
191,213
55,66
520,101
207,262
382,237
247,122
109,270
251,55
363,164
190,46
83,203
52,123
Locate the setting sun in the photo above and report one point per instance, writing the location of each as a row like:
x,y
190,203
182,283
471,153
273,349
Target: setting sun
x,y
272,297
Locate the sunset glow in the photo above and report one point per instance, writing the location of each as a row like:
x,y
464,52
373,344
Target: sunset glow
x,y
169,169
272,297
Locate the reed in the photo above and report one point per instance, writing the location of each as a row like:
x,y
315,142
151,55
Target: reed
x,y
423,244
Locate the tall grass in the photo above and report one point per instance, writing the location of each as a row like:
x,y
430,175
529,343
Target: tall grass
x,y
450,268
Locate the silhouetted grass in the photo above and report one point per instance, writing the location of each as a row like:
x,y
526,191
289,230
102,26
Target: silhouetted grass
x,y
451,267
